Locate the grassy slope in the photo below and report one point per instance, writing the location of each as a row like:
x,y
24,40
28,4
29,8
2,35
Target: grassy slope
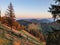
x,y
7,42
3,40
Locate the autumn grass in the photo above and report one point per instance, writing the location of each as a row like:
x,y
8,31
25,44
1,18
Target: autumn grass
x,y
31,38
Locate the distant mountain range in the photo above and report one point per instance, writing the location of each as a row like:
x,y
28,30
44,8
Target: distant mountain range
x,y
36,20
43,22
46,24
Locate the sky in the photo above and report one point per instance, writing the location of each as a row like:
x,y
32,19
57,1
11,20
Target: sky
x,y
28,8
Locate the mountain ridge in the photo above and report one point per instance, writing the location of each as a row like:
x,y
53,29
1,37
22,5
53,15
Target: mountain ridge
x,y
38,20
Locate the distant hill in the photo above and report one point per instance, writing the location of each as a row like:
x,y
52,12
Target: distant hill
x,y
23,22
35,20
48,27
43,22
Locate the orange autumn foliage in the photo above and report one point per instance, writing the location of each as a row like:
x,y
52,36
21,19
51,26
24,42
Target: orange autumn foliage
x,y
15,25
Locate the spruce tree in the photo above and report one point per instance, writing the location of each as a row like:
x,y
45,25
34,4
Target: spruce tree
x,y
10,12
10,15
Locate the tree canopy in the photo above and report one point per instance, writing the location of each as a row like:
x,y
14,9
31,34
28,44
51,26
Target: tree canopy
x,y
55,10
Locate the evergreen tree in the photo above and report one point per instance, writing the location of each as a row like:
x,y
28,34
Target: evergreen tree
x,y
10,15
10,12
55,9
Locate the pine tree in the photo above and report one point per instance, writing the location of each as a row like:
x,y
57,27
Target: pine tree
x,y
10,15
55,9
10,12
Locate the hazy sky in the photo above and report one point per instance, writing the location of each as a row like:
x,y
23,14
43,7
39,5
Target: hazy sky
x,y
28,8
